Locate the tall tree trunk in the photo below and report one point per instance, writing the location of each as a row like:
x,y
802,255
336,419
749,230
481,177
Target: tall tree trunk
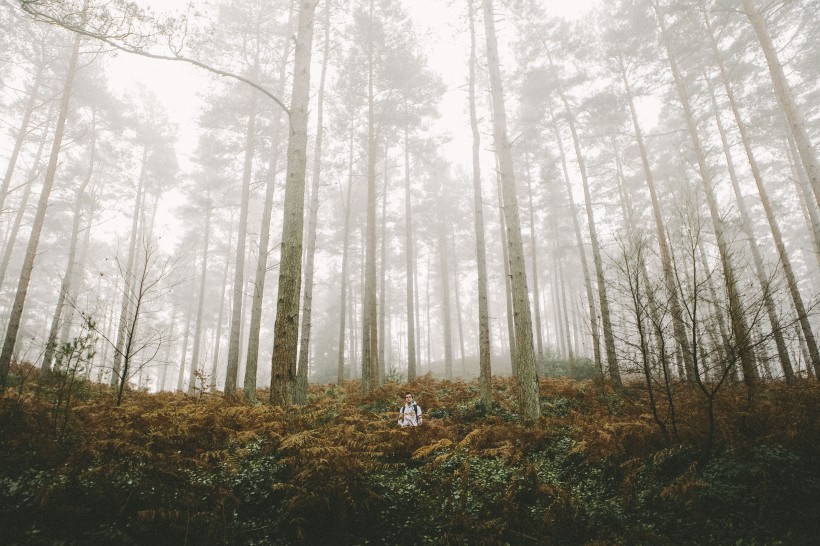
x,y
21,211
484,349
773,225
252,360
736,311
235,335
579,242
21,133
457,294
802,184
125,302
218,333
528,397
189,312
771,310
65,285
603,298
200,305
505,255
344,275
808,155
446,320
39,219
534,256
307,303
678,325
382,273
409,260
286,326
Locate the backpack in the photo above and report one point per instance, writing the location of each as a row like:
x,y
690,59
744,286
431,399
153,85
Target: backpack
x,y
415,410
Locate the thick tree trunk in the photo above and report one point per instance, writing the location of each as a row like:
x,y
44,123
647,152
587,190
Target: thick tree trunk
x,y
286,326
39,219
484,349
528,397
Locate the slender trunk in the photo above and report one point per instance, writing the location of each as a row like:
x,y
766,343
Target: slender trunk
x,y
484,349
234,337
505,255
678,325
200,306
808,155
252,359
803,190
21,211
218,333
457,294
21,134
188,315
39,219
304,350
286,326
534,254
576,224
382,274
344,275
773,225
447,322
771,310
736,311
528,397
65,285
409,260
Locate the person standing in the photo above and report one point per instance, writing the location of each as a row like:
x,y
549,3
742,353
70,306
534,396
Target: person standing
x,y
410,412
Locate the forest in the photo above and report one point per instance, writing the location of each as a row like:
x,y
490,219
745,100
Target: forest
x,y
585,236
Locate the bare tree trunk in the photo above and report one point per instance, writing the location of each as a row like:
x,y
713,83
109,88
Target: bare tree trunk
x,y
528,397
457,294
21,211
484,349
286,326
446,320
39,219
803,190
234,338
773,224
593,314
344,275
409,261
382,274
122,327
307,304
736,311
218,333
252,359
808,155
21,134
534,254
505,255
189,312
65,285
678,326
200,305
771,310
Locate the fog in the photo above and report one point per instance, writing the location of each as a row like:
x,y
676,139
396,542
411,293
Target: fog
x,y
239,194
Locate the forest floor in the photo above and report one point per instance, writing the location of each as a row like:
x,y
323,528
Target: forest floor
x,y
595,469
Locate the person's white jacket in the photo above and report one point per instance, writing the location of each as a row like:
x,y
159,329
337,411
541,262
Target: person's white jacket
x,y
410,415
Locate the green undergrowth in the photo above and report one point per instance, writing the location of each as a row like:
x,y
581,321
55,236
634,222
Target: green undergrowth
x,y
594,470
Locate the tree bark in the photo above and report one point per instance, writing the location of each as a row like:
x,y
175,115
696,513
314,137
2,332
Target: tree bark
x,y
200,305
307,304
39,219
340,377
528,396
286,326
484,349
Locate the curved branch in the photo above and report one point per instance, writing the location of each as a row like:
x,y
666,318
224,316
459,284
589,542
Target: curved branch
x,y
51,20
